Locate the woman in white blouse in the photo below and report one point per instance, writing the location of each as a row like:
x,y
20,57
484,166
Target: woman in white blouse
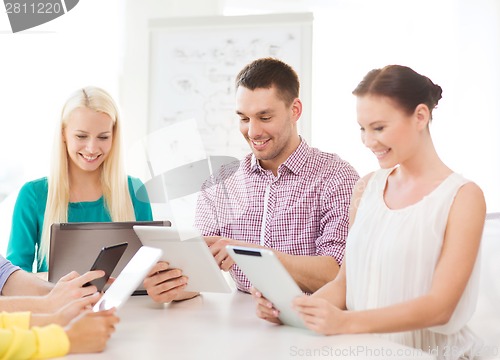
x,y
410,269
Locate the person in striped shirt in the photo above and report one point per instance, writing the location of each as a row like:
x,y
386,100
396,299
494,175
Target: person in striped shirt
x,y
284,195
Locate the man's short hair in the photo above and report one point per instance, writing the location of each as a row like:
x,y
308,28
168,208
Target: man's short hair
x,y
268,72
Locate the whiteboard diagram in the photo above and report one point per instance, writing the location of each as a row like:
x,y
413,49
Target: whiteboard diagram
x,y
194,61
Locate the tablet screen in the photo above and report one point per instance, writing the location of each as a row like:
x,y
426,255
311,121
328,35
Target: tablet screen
x,y
129,279
269,276
186,250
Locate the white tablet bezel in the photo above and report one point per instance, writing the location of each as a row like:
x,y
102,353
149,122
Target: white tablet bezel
x,y
186,249
129,279
268,275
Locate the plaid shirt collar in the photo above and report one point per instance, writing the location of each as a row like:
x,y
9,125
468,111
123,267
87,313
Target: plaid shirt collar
x,y
294,163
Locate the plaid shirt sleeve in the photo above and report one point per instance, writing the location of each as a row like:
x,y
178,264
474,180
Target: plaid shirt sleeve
x,y
206,213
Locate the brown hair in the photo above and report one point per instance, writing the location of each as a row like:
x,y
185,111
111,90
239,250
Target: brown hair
x,y
403,85
268,72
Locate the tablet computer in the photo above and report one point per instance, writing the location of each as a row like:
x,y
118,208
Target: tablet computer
x,y
186,249
267,274
74,246
129,279
106,261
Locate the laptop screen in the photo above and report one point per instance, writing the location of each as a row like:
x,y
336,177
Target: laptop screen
x,y
75,246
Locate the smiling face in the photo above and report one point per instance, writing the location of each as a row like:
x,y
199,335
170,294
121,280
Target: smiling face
x,y
88,135
389,132
268,124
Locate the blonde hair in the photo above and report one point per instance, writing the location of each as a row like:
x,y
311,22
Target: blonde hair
x,y
114,180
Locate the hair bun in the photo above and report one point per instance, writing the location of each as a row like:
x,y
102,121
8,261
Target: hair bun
x,y
436,93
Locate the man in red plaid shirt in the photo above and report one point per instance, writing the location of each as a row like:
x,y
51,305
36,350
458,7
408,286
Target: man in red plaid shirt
x,y
285,195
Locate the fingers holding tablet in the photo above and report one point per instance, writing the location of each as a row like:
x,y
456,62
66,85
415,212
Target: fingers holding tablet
x,y
265,309
183,249
164,284
217,246
267,273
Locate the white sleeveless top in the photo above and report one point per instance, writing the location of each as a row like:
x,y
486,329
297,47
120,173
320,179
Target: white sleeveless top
x,y
391,257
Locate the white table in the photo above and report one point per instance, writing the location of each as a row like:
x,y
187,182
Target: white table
x,y
224,326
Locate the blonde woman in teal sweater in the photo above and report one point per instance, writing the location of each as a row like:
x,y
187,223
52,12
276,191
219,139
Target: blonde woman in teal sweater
x,y
87,181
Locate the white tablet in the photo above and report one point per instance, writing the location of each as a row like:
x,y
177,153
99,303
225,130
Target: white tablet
x,y
269,276
129,279
186,249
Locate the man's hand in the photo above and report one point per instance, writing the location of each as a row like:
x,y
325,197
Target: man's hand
x,y
217,246
165,285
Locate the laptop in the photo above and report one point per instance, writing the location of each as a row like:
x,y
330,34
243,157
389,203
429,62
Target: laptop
x,y
75,246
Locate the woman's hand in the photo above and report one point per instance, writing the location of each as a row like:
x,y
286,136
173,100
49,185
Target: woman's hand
x,y
320,315
265,309
67,313
75,308
69,288
90,331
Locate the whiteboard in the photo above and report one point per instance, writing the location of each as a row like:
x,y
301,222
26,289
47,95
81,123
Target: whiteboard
x,y
193,63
